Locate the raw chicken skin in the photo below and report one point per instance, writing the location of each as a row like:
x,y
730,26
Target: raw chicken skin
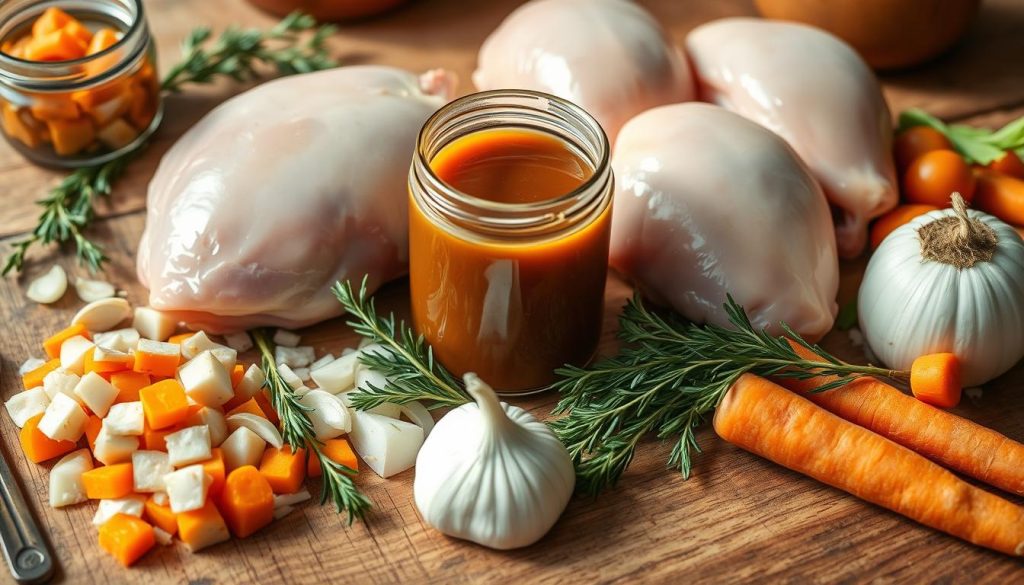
x,y
281,191
609,57
709,203
817,93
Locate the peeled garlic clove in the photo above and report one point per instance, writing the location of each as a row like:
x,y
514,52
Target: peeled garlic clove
x,y
103,315
257,424
50,287
419,415
329,415
93,290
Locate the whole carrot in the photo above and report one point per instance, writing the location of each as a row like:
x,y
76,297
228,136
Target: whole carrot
x,y
953,441
1001,195
770,421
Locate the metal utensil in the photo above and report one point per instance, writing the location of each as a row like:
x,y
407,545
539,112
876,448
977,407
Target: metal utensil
x,y
28,556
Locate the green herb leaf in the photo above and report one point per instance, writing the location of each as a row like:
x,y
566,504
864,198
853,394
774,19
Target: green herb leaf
x,y
977,145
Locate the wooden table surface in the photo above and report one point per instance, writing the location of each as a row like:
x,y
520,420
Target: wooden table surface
x,y
738,518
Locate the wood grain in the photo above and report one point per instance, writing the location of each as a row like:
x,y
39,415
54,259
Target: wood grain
x,y
739,519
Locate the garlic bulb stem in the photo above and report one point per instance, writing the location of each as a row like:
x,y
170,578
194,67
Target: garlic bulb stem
x,y
486,399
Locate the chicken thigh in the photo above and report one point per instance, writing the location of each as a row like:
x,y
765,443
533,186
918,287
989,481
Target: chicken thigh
x,y
814,91
708,203
281,191
610,57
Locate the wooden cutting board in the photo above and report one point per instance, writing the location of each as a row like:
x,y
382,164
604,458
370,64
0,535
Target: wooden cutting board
x,y
739,517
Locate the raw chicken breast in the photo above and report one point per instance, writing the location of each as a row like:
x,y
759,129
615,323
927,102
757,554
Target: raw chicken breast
x,y
608,56
281,191
814,91
709,203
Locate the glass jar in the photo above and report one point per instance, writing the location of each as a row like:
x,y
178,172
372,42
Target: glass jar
x,y
510,291
86,110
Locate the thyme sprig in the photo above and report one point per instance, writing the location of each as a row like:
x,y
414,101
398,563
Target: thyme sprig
x,y
237,54
669,377
297,431
403,357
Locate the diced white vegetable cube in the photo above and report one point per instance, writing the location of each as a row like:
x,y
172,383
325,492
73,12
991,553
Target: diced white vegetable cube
x,y
153,324
295,357
213,419
289,377
96,393
252,381
149,469
63,420
66,487
329,415
242,447
189,445
226,356
128,337
286,338
338,375
30,364
128,505
110,448
196,344
125,418
109,355
162,537
238,341
160,498
302,373
321,361
24,405
187,488
61,381
72,354
292,499
389,446
206,380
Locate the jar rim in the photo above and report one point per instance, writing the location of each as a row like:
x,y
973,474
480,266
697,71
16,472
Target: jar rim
x,y
130,34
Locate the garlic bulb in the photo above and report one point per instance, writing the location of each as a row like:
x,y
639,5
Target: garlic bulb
x,y
949,281
492,473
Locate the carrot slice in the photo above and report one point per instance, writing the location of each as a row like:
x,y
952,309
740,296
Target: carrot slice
x,y
52,344
52,19
109,482
101,41
128,384
37,446
767,420
161,516
127,538
77,30
935,379
164,403
54,107
15,127
237,373
284,470
35,377
59,45
263,399
338,451
201,528
247,502
71,136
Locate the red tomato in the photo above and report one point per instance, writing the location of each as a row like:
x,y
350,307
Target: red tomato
x,y
1009,164
934,176
915,141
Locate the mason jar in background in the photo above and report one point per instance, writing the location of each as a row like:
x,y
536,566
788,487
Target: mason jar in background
x,y
82,111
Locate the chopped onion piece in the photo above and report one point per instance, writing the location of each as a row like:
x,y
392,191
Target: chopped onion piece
x,y
257,424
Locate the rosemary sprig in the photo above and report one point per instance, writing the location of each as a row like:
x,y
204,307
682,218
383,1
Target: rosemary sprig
x,y
404,358
297,431
670,377
237,54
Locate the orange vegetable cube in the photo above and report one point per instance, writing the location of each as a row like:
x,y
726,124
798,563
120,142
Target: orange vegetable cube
x,y
263,399
128,384
179,338
59,45
284,471
54,107
237,373
109,482
143,106
93,424
164,403
102,40
71,136
249,406
53,343
91,365
214,467
16,128
247,502
127,538
338,451
37,446
161,516
156,439
16,48
157,359
53,19
201,528
35,377
77,30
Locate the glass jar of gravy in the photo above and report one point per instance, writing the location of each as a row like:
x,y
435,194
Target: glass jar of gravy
x,y
509,222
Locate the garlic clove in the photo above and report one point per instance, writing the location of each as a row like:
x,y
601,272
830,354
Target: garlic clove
x,y
329,415
419,415
257,424
93,290
103,315
50,287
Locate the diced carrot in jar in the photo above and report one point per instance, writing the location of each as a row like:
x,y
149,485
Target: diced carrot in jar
x,y
77,30
16,48
117,134
102,40
54,107
71,136
59,45
16,128
53,19
143,107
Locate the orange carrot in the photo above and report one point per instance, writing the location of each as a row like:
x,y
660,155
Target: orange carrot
x,y
52,19
201,528
248,407
284,470
247,502
955,442
93,424
164,404
71,136
127,538
53,343
1008,164
108,482
35,377
935,379
128,384
263,399
237,373
37,446
338,451
161,516
59,45
888,223
214,467
156,439
766,419
1001,195
157,359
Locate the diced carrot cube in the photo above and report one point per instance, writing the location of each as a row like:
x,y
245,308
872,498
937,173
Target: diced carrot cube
x,y
157,363
91,365
164,403
35,377
128,384
59,45
71,136
37,446
16,128
247,502
53,343
179,338
338,451
214,467
54,107
145,98
156,439
249,407
284,471
16,48
102,40
109,482
127,538
161,516
263,399
93,424
77,30
237,373
51,20
201,528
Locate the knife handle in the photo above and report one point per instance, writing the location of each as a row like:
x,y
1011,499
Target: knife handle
x,y
28,556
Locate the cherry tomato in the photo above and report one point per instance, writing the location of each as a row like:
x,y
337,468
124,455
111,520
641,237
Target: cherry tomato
x,y
1009,164
934,176
915,141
